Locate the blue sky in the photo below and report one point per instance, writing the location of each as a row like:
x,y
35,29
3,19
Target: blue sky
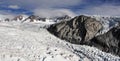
x,y
60,7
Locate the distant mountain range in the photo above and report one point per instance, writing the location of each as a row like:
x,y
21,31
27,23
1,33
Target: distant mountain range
x,y
34,18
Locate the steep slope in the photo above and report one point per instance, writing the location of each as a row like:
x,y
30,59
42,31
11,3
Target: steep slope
x,y
81,29
78,30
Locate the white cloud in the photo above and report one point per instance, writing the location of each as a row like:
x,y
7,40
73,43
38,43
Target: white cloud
x,y
47,5
4,15
109,10
14,6
53,12
44,7
4,12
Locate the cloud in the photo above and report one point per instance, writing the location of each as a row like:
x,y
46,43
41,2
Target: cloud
x,y
60,7
5,12
53,12
109,10
32,4
4,15
38,6
14,6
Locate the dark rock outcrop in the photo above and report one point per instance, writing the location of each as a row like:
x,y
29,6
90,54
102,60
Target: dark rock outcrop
x,y
32,18
20,17
7,19
108,42
78,30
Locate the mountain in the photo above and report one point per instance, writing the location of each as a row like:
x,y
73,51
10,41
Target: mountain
x,y
29,42
19,18
77,29
34,18
85,30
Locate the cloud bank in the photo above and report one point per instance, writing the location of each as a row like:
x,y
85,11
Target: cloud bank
x,y
105,10
53,12
4,15
30,4
51,8
47,8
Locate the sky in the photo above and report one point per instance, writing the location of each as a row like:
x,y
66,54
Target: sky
x,y
51,8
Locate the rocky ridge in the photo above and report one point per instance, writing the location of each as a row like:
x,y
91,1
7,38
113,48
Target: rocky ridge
x,y
84,30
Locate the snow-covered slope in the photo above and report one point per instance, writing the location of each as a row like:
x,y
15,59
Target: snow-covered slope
x,y
31,42
108,22
18,44
3,17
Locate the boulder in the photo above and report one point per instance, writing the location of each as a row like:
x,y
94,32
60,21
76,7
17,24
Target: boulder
x,y
78,30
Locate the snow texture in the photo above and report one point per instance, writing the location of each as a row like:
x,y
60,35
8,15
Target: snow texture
x,y
32,42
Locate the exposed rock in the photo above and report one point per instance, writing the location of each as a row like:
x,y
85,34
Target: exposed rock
x,y
78,30
83,30
92,26
7,19
108,42
32,18
41,19
20,17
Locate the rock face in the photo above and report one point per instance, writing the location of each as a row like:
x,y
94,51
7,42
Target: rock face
x,y
108,42
78,30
